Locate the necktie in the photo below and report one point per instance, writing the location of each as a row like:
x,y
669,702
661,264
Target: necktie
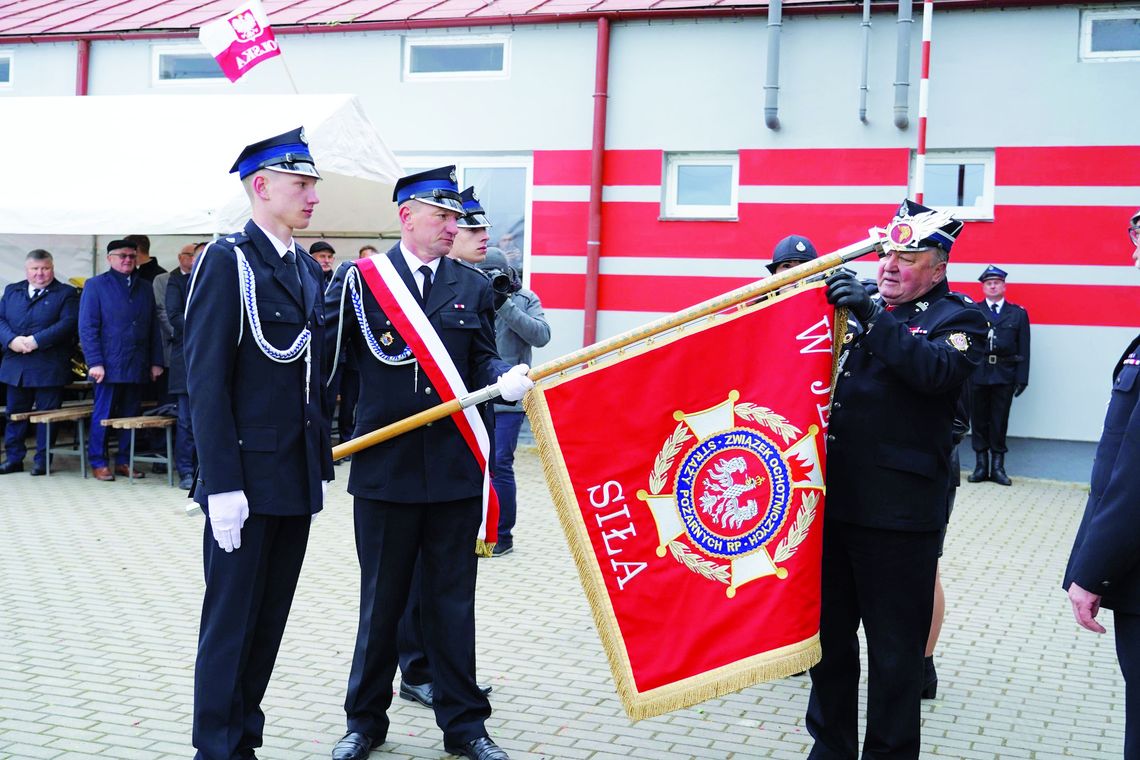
x,y
293,279
425,270
994,307
36,293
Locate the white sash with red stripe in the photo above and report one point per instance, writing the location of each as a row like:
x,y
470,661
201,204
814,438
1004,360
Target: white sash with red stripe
x,y
407,316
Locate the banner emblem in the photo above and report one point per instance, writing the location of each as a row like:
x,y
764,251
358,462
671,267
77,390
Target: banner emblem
x,y
733,489
245,26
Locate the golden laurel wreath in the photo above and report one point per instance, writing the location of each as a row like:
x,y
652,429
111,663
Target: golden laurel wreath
x,y
663,463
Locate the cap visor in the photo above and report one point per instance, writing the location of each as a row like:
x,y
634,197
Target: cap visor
x,y
474,221
302,168
445,203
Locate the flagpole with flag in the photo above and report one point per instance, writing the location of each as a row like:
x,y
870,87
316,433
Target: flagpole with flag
x,y
242,39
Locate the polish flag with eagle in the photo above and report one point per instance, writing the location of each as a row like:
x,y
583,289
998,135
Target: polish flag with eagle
x,y
240,40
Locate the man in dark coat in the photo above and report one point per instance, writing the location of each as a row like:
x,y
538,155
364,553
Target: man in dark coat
x,y
253,359
1002,375
423,491
174,298
890,436
38,319
1104,567
122,343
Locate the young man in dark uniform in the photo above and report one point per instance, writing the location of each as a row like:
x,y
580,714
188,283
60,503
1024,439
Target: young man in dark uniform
x,y
421,493
253,337
888,472
1103,570
1002,375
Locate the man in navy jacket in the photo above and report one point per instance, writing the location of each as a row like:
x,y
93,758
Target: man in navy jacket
x,y
1103,568
122,344
37,332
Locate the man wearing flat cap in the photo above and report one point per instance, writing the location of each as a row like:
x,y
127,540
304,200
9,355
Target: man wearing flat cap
x,y
1002,375
325,255
254,334
888,474
419,326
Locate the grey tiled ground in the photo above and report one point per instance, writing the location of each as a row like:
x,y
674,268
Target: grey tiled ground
x,y
102,584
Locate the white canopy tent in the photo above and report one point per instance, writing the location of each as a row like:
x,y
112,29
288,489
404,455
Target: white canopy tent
x,y
159,165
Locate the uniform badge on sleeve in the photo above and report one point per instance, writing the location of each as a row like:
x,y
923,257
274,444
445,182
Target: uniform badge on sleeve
x,y
959,340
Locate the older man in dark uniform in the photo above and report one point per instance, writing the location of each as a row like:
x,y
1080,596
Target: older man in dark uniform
x,y
38,319
890,435
1103,569
419,327
254,332
1002,375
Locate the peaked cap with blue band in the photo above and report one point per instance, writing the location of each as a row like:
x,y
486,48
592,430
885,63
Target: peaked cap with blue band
x,y
992,272
474,216
435,187
943,237
287,153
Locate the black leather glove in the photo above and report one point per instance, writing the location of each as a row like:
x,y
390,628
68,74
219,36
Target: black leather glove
x,y
500,299
845,291
1019,389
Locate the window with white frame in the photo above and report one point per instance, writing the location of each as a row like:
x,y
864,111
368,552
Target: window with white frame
x,y
6,68
173,64
960,181
1110,35
465,57
701,185
503,186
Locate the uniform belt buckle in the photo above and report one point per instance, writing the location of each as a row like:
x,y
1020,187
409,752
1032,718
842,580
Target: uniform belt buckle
x,y
992,358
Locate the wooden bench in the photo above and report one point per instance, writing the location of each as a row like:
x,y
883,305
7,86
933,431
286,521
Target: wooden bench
x,y
76,414
21,416
147,422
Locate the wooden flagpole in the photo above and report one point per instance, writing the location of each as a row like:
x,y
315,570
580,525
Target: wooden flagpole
x,y
742,294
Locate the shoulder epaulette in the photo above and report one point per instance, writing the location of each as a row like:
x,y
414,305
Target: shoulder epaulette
x,y
960,297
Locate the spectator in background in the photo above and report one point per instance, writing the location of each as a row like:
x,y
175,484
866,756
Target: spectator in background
x,y
790,252
520,325
325,255
122,343
146,267
511,250
160,282
174,300
38,317
367,250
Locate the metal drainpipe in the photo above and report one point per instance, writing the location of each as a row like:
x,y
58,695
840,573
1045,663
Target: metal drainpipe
x,y
772,85
902,66
597,159
82,65
863,87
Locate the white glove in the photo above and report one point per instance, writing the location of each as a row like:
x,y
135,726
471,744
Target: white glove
x,y
228,512
513,384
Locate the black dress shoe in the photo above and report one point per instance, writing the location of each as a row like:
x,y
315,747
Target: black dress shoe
x,y
479,749
39,469
352,746
416,692
10,467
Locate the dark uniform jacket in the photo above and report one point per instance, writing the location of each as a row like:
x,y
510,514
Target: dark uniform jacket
x,y
890,432
1106,553
254,429
432,463
51,319
1006,352
118,329
177,286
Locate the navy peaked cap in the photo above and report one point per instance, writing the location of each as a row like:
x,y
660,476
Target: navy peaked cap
x,y
436,187
990,272
795,248
473,214
287,152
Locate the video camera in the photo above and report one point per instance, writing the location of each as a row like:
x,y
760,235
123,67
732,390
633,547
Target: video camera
x,y
504,281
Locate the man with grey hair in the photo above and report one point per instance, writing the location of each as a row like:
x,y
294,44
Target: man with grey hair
x,y
38,318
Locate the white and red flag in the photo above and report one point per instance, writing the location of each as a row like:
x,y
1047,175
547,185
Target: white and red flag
x,y
240,40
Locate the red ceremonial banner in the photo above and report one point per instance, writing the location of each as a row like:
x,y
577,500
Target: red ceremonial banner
x,y
688,473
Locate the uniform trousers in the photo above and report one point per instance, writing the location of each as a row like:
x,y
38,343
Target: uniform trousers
x,y
507,425
389,537
112,400
184,440
414,666
1128,654
248,595
22,399
989,416
884,578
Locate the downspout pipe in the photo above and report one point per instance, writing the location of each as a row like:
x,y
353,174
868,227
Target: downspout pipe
x,y
902,64
772,83
82,65
597,163
863,86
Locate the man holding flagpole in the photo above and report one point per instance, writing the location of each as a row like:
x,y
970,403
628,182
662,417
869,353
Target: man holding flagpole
x,y
419,327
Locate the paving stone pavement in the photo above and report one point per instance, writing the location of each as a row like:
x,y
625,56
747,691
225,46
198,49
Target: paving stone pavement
x,y
102,584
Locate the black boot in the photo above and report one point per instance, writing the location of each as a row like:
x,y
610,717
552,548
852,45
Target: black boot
x,y
929,679
997,474
981,469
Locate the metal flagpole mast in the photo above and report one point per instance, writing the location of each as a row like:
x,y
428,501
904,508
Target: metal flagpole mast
x,y
923,100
